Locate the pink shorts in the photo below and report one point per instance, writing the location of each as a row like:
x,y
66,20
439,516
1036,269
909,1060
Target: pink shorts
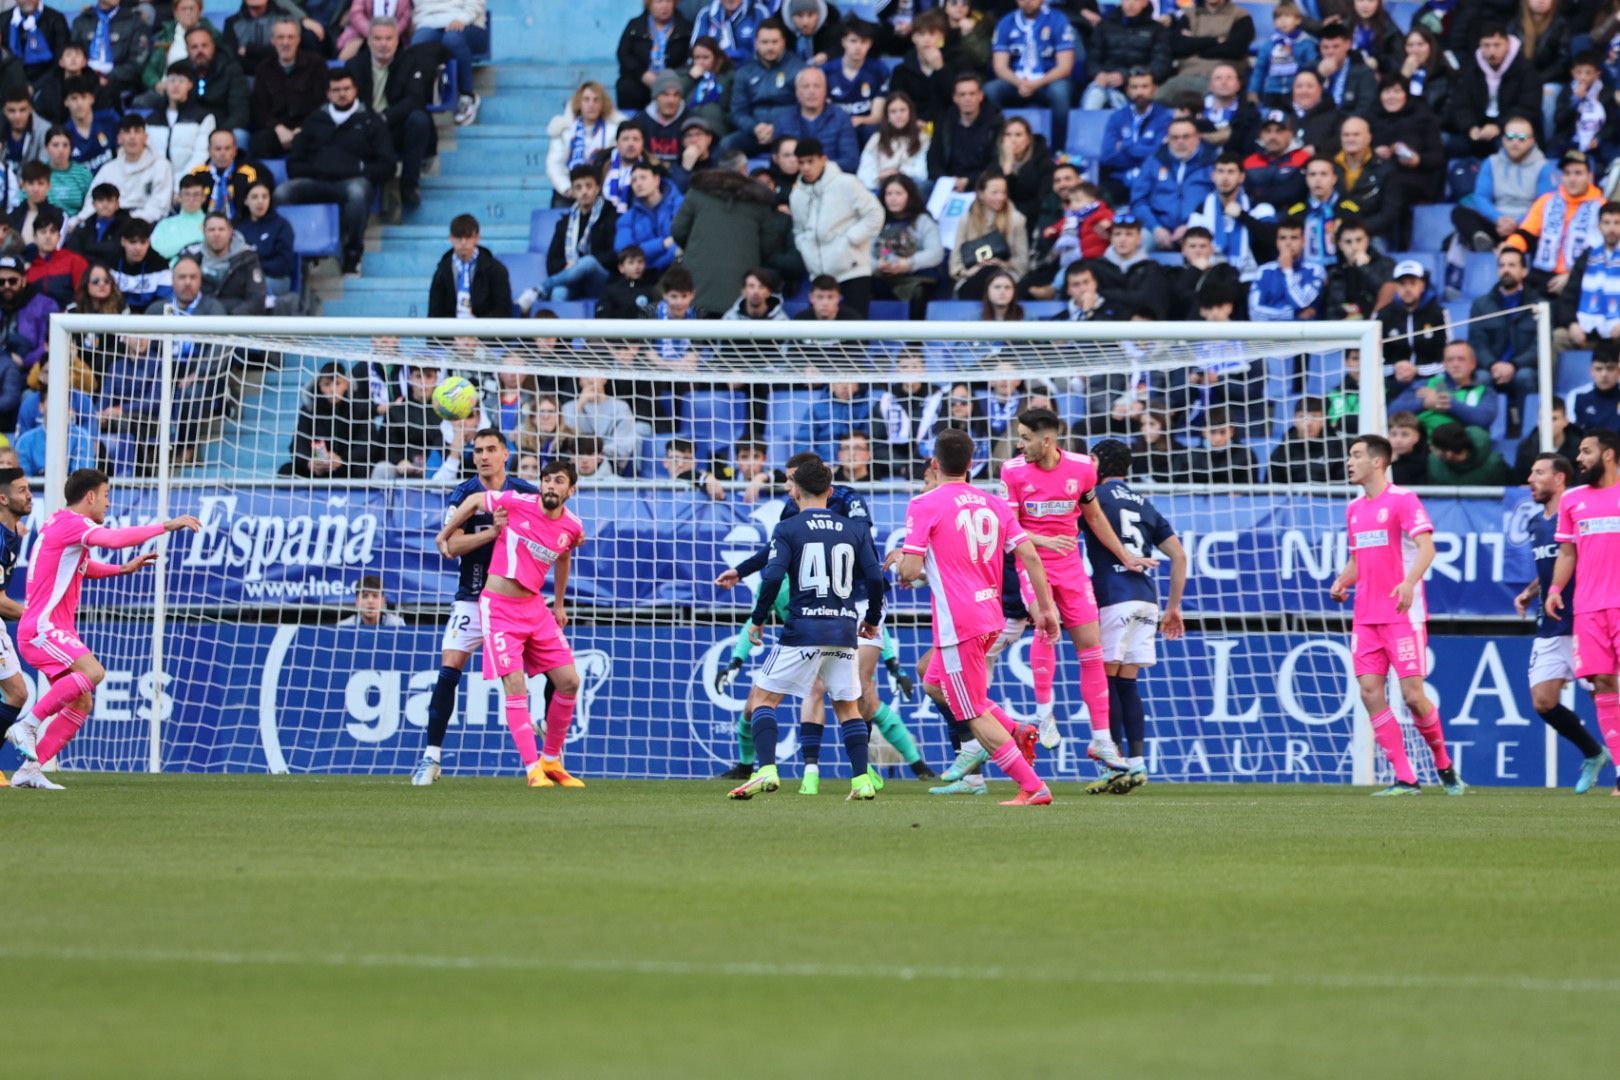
x,y
1380,648
521,635
964,673
53,651
1597,642
1072,591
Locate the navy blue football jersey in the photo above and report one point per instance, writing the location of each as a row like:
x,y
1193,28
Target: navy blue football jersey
x,y
1141,528
855,96
10,548
1012,592
842,500
475,564
1544,549
822,555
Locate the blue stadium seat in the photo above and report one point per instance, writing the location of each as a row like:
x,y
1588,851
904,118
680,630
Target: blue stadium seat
x,y
1167,258
444,89
316,231
1071,406
1479,273
1039,120
1086,130
1574,370
277,168
1457,312
1042,309
713,420
954,310
787,409
1402,12
527,269
1431,224
1261,14
542,223
888,311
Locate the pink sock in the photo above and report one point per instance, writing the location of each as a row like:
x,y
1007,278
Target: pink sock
x,y
1387,730
1011,762
1429,728
1608,718
68,688
1043,662
58,733
558,716
1000,716
521,725
1094,689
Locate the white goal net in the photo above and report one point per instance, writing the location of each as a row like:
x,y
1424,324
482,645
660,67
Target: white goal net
x,y
310,451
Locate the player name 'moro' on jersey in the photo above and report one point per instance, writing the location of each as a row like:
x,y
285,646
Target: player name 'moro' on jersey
x,y
821,556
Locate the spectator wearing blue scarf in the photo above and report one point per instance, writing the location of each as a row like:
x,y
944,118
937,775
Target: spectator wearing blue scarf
x,y
116,41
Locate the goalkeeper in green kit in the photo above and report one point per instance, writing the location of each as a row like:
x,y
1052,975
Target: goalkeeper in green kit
x,y
813,712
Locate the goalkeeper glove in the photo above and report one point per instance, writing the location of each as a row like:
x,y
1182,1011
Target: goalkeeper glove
x,y
727,675
902,681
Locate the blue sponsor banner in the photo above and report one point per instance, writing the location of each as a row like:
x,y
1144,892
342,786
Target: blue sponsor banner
x,y
306,698
1251,554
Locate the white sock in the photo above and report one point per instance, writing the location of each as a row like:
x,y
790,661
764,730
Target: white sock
x,y
1043,712
1139,763
432,754
972,746
974,780
1102,738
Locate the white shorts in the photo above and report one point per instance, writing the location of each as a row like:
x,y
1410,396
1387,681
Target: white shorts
x,y
465,630
793,669
1552,658
1130,632
8,656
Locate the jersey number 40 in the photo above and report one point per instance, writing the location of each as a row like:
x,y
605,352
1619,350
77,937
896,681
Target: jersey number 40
x,y
821,571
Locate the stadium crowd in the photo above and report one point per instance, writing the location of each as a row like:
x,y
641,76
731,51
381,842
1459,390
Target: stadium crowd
x,y
146,153
1140,160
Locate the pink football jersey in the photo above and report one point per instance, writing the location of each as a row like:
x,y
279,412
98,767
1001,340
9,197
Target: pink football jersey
x,y
55,573
1047,501
1381,532
1589,518
962,534
532,540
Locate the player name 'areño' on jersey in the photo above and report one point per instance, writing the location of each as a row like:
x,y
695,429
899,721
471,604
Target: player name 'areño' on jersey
x,y
1141,528
1589,518
1544,549
532,540
962,534
822,556
1381,540
1047,501
474,569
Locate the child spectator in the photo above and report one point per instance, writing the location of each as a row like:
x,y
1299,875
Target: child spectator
x,y
70,181
141,273
630,294
1289,49
97,238
268,233
57,272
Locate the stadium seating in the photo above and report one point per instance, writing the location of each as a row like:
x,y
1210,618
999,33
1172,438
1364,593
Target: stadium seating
x,y
1039,120
714,421
1431,225
542,224
1086,131
1574,370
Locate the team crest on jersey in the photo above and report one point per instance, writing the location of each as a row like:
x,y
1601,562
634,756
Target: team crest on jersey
x,y
1071,487
1383,515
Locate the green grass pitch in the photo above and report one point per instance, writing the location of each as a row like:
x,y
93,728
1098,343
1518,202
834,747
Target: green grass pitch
x,y
230,926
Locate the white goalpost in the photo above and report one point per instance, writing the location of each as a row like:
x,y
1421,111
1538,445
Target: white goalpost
x,y
232,657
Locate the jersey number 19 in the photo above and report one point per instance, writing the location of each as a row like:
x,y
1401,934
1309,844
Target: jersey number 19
x,y
814,567
983,531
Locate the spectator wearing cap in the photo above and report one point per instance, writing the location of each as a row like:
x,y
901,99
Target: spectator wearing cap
x,y
1347,81
764,86
1134,132
143,276
145,181
1125,273
180,130
857,84
1280,57
735,24
1127,38
964,142
835,220
469,282
287,87
371,606
1589,309
116,43
397,86
1033,54
1172,184
1368,181
1561,224
1496,83
1361,280
1414,327
923,74
97,237
698,141
651,217
56,271
707,85
582,245
1509,181
660,121
25,313
1237,225
654,41
1209,33
812,30
727,224
1288,288
1275,173
813,118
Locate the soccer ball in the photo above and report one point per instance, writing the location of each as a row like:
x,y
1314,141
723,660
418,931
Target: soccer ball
x,y
455,398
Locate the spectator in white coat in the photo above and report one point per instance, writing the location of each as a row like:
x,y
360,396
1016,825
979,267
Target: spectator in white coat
x,y
899,146
588,125
835,220
145,181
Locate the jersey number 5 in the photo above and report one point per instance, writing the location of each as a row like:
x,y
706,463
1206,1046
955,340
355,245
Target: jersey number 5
x,y
1130,535
983,531
814,567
